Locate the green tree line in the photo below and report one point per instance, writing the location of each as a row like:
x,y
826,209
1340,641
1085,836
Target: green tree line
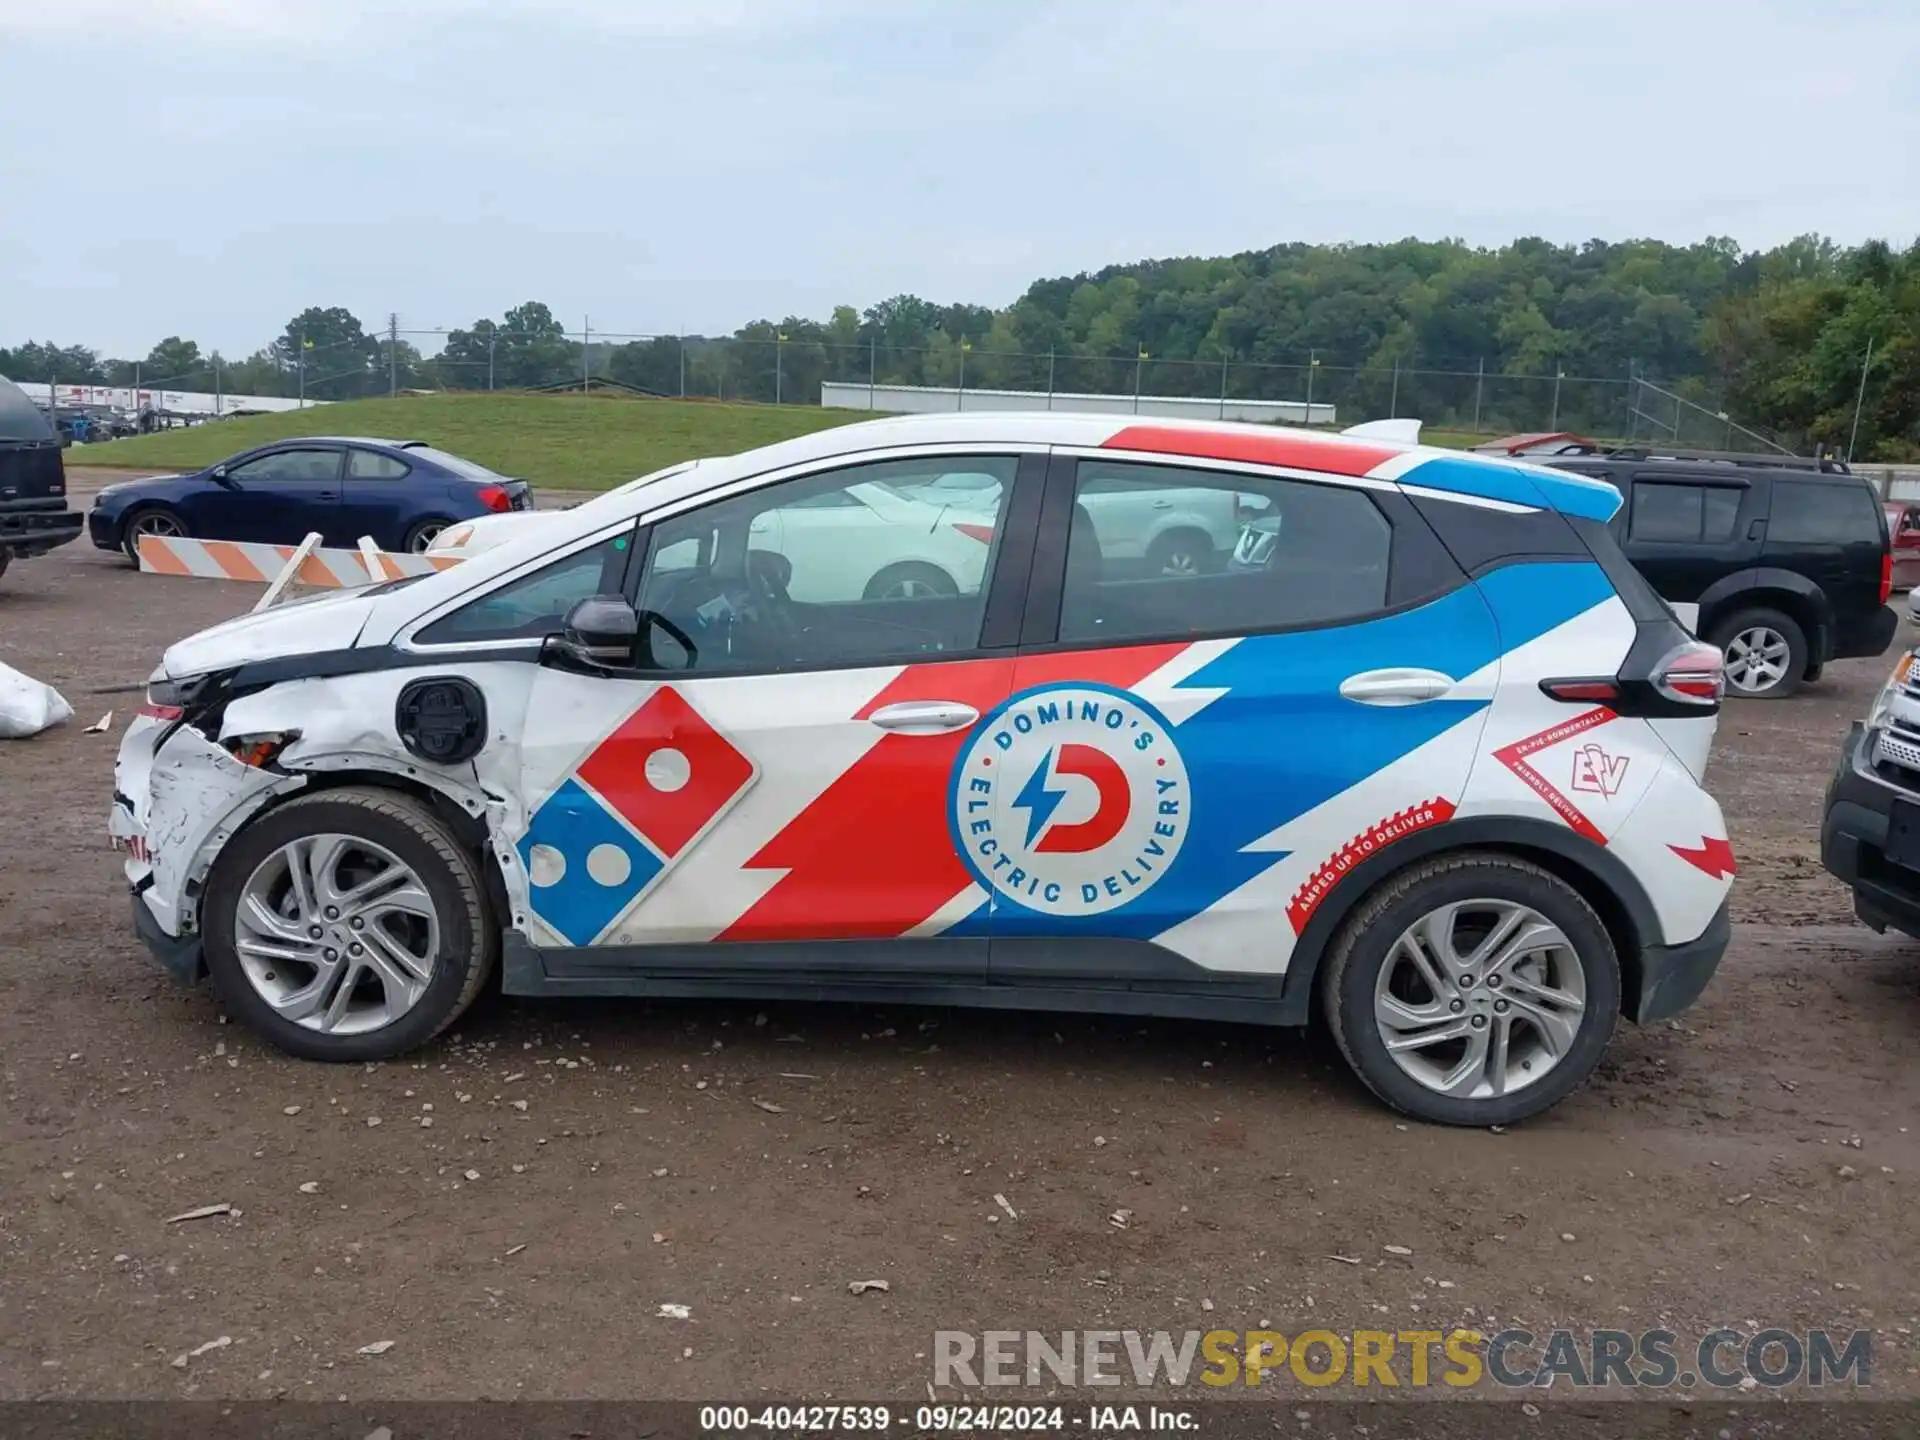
x,y
1789,341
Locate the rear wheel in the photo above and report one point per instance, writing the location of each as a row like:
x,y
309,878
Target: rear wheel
x,y
1766,653
1473,989
153,520
424,534
348,925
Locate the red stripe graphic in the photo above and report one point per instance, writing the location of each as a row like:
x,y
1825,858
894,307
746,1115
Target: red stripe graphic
x,y
872,856
1514,757
1300,452
1713,856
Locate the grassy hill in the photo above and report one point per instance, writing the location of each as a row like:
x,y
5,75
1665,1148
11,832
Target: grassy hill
x,y
570,442
573,442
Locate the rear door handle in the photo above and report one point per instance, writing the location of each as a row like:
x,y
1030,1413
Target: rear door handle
x,y
925,717
1399,686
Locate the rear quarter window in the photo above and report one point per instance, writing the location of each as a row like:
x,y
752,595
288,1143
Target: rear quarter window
x,y
1815,513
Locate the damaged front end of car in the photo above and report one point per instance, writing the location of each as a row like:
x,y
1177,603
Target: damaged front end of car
x,y
207,755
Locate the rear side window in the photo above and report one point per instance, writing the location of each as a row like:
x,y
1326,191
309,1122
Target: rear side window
x,y
1665,513
1158,551
1812,513
369,465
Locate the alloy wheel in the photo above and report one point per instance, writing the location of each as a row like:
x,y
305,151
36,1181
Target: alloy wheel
x,y
337,934
424,536
1757,659
1479,999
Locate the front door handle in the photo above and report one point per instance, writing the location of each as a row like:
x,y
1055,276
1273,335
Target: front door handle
x,y
925,717
1400,686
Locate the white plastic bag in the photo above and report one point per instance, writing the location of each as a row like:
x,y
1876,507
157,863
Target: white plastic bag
x,y
27,707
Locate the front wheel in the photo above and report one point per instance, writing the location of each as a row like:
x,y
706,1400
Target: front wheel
x,y
348,925
1473,989
1180,552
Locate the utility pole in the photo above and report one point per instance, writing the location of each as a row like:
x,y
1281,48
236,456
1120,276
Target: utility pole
x,y
1313,363
1139,365
1479,389
393,353
217,406
1049,379
305,345
873,368
681,341
779,342
586,353
1860,400
1553,423
492,339
1393,399
1223,384
960,400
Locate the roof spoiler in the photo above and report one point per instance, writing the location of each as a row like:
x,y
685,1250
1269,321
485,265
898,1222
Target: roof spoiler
x,y
1399,432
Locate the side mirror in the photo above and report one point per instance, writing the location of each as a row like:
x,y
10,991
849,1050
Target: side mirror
x,y
600,632
219,472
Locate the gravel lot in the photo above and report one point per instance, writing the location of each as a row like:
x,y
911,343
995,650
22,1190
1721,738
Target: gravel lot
x,y
512,1208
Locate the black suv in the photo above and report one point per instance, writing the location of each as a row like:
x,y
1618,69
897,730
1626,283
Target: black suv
x,y
33,482
1786,561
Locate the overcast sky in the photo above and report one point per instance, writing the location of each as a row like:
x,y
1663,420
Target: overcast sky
x,y
209,167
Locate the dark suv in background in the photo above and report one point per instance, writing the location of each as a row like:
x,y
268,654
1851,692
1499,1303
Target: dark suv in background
x,y
1783,563
33,481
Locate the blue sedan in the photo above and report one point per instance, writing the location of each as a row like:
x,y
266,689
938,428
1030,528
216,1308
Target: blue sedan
x,y
401,492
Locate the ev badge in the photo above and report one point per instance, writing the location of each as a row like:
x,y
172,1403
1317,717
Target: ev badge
x,y
1071,799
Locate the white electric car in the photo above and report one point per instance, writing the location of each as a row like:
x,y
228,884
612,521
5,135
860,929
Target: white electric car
x,y
1422,756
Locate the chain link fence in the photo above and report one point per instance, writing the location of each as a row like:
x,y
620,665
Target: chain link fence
x,y
790,368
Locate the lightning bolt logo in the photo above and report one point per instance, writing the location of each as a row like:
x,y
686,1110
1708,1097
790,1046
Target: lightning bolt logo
x,y
1039,798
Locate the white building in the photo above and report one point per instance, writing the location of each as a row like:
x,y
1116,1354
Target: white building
x,y
926,399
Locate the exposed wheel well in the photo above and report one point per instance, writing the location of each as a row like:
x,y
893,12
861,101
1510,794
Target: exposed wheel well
x,y
469,829
1797,608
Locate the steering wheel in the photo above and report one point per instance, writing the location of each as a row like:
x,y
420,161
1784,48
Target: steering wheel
x,y
753,610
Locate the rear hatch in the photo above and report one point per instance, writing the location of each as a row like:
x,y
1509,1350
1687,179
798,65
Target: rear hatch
x,y
32,475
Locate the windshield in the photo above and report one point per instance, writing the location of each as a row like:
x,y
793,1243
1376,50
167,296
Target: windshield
x,y
453,463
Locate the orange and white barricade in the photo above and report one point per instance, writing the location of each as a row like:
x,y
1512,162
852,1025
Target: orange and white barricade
x,y
263,564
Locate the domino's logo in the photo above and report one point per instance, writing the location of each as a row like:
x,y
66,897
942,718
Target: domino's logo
x,y
1071,800
639,801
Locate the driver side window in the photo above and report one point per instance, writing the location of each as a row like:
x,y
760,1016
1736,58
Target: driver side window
x,y
856,566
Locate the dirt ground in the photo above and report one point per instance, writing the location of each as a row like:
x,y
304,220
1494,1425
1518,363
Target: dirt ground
x,y
512,1208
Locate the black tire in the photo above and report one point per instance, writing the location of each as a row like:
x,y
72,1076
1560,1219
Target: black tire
x,y
422,534
139,518
469,939
1181,552
1366,941
930,580
1782,624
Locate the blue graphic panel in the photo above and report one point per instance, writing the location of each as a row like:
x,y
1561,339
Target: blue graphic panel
x,y
602,866
1283,740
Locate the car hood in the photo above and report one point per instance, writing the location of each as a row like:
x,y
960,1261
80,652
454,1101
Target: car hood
x,y
299,627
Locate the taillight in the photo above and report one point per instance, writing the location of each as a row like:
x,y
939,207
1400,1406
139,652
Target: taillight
x,y
495,499
155,711
1695,674
982,533
1688,679
1886,575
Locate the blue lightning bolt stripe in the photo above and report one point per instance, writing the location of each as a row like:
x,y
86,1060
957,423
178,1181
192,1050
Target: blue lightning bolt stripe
x,y
1038,798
